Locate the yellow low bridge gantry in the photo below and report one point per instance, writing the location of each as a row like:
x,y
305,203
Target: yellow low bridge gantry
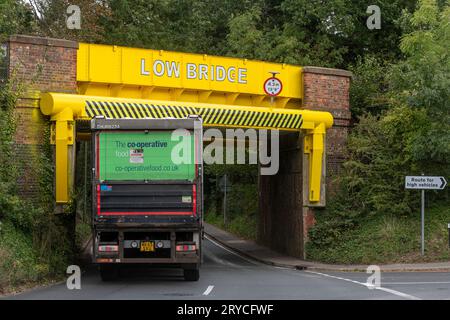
x,y
119,82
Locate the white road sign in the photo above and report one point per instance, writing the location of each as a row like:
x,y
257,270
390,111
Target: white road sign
x,y
425,182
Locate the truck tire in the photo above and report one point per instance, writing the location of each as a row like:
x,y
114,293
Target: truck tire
x,y
191,274
109,273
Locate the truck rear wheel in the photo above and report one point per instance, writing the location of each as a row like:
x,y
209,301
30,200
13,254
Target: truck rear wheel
x,y
108,272
191,274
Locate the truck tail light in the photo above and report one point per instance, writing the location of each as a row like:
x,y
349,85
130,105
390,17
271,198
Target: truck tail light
x,y
186,247
108,248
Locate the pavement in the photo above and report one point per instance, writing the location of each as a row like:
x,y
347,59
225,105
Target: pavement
x,y
267,256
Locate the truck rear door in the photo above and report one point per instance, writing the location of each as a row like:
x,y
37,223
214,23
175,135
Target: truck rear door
x,y
150,175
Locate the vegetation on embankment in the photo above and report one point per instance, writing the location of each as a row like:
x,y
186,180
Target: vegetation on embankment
x,y
383,239
402,127
34,244
242,225
242,198
371,218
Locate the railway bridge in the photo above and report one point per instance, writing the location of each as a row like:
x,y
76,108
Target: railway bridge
x,y
68,83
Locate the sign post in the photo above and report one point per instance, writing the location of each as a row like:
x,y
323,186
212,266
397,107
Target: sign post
x,y
422,226
273,86
225,187
424,183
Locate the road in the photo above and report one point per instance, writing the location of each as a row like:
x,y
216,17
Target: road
x,y
225,275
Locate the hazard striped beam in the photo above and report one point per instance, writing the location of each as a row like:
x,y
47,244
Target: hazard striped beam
x,y
215,115
212,116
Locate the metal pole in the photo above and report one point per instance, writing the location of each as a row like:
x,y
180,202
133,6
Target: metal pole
x,y
225,201
85,181
448,226
423,222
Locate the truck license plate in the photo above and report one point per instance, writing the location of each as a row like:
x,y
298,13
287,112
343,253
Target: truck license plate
x,y
147,246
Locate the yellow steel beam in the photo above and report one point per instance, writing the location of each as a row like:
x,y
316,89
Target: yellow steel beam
x,y
63,108
85,107
108,70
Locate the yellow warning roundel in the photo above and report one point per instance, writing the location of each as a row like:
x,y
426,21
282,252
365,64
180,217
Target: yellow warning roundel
x,y
273,86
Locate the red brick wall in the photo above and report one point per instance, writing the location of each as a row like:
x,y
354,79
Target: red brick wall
x,y
45,64
328,90
41,64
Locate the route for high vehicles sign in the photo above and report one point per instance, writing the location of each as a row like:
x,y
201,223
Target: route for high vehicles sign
x,y
425,183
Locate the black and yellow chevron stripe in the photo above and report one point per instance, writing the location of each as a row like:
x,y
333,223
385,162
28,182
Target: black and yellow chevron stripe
x,y
211,116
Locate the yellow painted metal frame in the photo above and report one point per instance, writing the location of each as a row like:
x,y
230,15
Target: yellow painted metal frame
x,y
65,108
115,71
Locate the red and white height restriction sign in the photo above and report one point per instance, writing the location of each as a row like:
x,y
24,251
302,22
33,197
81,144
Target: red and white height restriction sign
x,y
273,86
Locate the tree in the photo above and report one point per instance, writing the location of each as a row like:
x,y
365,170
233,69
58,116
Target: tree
x,y
184,25
15,17
51,16
324,33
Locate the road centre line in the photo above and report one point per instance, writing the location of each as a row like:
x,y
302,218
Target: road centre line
x,y
419,282
208,290
367,285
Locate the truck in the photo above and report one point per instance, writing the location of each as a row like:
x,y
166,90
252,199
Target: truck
x,y
147,194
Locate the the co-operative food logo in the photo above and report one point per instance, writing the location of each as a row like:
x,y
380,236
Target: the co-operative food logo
x,y
137,144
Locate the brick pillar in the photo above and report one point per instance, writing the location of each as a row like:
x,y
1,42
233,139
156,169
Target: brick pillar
x,y
327,89
42,64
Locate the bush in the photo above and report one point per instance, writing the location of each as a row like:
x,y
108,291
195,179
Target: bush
x,y
381,152
33,241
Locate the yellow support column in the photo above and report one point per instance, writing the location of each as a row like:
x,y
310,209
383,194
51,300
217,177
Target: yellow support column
x,y
314,146
64,133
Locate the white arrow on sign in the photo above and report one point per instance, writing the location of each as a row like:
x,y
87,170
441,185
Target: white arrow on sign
x,y
425,182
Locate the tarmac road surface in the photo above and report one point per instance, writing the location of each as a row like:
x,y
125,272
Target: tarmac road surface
x,y
226,275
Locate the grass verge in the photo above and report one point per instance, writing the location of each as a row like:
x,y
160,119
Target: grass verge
x,y
20,265
244,226
388,239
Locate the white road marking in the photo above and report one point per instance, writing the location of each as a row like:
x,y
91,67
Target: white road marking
x,y
423,282
208,290
217,260
367,285
232,252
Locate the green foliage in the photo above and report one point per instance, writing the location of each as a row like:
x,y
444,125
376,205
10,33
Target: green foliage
x,y
422,79
383,239
15,18
241,209
381,153
33,241
409,138
18,260
243,225
369,86
185,25
9,93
